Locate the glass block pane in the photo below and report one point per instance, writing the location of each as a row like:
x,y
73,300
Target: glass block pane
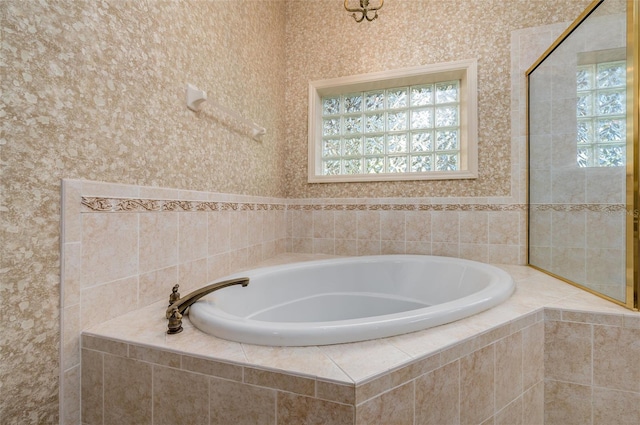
x,y
374,100
330,126
396,121
374,145
353,146
397,143
353,124
331,167
446,140
585,131
611,156
421,163
397,164
330,147
422,95
446,162
374,165
584,78
584,105
352,103
447,116
611,75
374,123
330,105
611,103
584,156
353,166
611,130
396,98
421,142
447,92
422,118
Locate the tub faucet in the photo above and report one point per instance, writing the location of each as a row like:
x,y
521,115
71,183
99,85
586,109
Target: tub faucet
x,y
178,305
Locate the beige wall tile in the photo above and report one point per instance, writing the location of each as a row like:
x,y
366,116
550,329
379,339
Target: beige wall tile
x,y
511,414
213,368
474,227
71,274
280,381
192,275
477,387
192,236
150,355
158,241
508,372
615,357
336,392
71,397
368,223
180,397
418,226
302,224
393,407
255,227
533,405
109,247
615,407
392,225
445,226
532,355
437,396
103,302
219,232
92,387
323,224
501,227
156,285
297,410
235,403
567,352
127,391
566,403
71,337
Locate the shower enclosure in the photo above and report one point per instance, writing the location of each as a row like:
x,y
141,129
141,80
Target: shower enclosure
x,y
583,153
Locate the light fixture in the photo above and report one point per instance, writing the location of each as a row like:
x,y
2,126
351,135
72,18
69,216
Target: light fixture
x,y
364,10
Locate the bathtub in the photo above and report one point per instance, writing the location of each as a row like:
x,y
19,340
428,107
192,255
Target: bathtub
x,y
349,299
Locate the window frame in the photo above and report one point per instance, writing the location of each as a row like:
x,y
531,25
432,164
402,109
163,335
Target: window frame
x,y
463,70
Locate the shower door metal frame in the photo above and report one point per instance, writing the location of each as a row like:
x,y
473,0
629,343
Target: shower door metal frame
x,y
632,245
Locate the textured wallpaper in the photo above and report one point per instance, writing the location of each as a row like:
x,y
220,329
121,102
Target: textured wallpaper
x,y
410,33
95,90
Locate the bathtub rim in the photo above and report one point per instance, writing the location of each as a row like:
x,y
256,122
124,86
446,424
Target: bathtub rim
x,y
226,326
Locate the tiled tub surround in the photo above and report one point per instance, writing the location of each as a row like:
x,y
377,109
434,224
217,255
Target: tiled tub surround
x,y
550,354
125,246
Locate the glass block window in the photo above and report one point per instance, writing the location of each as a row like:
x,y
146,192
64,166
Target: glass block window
x,y
601,114
396,127
397,130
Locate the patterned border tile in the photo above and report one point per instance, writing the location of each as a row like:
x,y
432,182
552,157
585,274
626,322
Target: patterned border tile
x,y
160,205
91,204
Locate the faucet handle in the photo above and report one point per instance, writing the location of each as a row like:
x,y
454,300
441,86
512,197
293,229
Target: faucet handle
x,y
175,295
175,321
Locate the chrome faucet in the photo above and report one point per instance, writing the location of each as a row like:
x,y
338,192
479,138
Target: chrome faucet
x,y
178,305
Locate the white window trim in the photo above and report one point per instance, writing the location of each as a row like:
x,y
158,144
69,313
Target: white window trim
x,y
464,70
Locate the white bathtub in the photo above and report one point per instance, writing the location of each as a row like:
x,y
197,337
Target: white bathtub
x,y
350,299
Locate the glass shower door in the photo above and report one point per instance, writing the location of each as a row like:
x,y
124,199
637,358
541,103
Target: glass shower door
x,y
581,155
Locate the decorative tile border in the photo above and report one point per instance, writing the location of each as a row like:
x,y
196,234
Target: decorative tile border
x,y
91,204
160,205
601,208
408,207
